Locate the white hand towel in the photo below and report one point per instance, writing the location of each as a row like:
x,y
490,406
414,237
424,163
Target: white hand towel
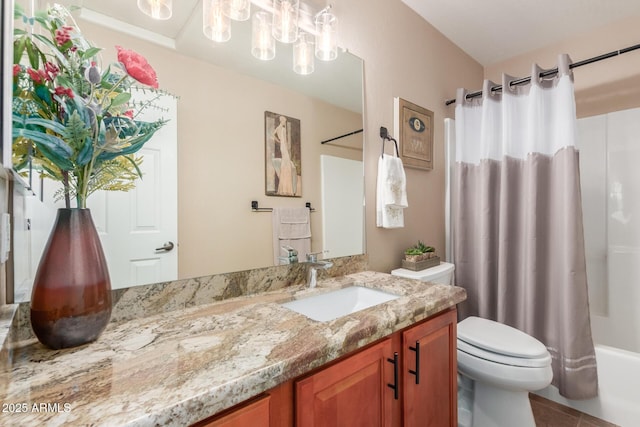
x,y
390,202
394,188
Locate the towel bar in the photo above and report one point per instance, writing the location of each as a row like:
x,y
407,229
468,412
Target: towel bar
x,y
256,208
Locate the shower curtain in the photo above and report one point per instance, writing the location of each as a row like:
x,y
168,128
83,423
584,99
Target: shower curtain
x,y
517,220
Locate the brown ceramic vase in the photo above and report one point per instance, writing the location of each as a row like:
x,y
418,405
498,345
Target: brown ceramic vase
x,y
71,298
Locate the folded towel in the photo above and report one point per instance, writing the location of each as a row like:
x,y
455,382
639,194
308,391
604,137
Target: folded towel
x,y
291,227
391,194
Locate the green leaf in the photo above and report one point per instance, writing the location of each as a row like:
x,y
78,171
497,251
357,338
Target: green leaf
x,y
135,165
52,147
18,49
91,52
121,99
76,132
32,53
86,153
63,81
43,93
22,122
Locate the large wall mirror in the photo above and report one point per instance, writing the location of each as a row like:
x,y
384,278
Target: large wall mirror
x,y
197,195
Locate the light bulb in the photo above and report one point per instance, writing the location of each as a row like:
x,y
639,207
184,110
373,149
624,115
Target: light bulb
x,y
303,54
285,20
263,46
157,9
216,25
326,36
238,10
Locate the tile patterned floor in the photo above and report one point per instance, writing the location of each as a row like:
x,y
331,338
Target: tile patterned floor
x,y
548,413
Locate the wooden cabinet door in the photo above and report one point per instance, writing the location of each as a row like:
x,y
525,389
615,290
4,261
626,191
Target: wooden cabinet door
x,y
430,373
351,393
253,414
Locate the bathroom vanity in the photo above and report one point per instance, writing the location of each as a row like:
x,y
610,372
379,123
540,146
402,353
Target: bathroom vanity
x,y
249,357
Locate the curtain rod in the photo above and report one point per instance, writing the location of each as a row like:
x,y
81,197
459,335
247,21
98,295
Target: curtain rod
x,y
342,136
552,72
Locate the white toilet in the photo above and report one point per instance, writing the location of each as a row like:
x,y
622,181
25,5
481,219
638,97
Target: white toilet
x,y
497,365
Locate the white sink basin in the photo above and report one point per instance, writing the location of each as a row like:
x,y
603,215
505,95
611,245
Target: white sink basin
x,y
338,303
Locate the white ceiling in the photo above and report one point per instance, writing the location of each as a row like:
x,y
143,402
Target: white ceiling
x,y
494,30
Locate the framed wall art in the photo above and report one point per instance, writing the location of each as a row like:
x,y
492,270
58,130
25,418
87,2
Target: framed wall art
x,y
414,132
283,165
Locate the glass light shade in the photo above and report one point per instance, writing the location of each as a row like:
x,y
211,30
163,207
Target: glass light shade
x,y
285,20
263,46
326,36
216,25
303,54
157,9
238,10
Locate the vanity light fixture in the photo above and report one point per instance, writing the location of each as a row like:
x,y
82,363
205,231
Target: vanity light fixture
x,y
157,9
280,20
326,35
216,24
303,54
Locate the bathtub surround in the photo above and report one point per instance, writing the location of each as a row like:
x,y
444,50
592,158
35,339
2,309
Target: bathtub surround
x,y
518,238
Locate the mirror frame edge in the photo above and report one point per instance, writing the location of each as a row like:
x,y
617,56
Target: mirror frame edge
x,y
6,48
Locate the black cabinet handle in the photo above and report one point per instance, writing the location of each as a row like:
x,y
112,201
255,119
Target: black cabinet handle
x,y
417,371
394,386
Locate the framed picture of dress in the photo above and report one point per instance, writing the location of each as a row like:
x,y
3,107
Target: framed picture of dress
x,y
283,165
414,132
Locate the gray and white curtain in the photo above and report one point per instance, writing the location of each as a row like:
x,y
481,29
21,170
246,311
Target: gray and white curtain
x,y
517,219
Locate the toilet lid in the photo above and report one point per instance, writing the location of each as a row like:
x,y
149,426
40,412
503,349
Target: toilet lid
x,y
539,362
427,274
497,338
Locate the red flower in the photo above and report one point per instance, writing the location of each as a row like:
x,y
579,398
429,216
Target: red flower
x,y
16,70
62,35
137,67
63,91
38,76
128,113
51,69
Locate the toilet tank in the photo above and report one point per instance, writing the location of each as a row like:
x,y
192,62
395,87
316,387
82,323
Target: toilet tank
x,y
442,274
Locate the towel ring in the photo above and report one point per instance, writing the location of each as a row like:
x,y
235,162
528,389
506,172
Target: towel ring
x,y
388,138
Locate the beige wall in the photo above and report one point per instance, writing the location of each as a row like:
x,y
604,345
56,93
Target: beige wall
x,y
609,85
404,57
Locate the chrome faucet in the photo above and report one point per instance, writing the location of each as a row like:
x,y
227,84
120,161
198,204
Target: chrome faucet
x,y
312,277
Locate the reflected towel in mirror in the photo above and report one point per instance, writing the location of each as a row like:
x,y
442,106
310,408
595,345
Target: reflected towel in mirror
x,y
291,227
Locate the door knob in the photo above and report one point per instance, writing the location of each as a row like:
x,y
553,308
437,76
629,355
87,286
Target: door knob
x,y
166,247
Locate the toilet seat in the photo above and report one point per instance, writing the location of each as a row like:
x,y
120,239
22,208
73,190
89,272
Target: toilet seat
x,y
500,343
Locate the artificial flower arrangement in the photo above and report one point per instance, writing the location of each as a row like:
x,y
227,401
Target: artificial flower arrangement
x,y
74,120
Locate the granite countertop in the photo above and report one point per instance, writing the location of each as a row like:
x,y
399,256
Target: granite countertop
x,y
179,367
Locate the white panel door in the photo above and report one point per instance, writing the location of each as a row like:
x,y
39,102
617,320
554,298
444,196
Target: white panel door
x,y
342,206
133,224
